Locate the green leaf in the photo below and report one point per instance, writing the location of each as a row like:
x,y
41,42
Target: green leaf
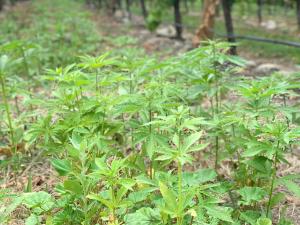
x,y
100,163
62,166
220,213
190,140
252,152
32,220
139,196
3,63
109,204
199,177
250,194
168,196
121,193
175,140
260,163
164,157
277,198
127,183
76,140
73,186
150,146
144,216
250,216
38,202
264,221
293,187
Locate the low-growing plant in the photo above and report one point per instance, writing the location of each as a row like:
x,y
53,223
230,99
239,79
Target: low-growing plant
x,y
128,135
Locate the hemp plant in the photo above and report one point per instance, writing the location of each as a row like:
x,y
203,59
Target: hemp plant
x,y
5,63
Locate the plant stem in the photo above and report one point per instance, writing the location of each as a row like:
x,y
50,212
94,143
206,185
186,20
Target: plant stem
x,y
179,174
150,131
6,105
25,62
217,153
273,180
17,105
113,199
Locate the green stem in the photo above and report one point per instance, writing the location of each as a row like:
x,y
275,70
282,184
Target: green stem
x,y
150,131
97,82
25,61
113,200
179,174
217,153
273,180
6,105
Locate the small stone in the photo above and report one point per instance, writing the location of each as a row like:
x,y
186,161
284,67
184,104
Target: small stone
x,y
267,68
251,64
119,14
166,31
269,25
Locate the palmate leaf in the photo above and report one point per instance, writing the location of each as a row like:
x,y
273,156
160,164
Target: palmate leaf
x,y
256,148
144,216
251,194
263,221
32,220
221,213
191,140
250,216
139,196
199,177
261,164
39,202
152,143
293,187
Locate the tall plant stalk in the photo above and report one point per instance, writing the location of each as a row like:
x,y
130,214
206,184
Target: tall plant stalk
x,y
217,152
179,174
150,131
216,106
272,181
7,109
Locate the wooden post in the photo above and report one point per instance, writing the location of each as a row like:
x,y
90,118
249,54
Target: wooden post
x,y
205,30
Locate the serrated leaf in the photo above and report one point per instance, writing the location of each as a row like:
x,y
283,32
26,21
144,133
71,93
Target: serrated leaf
x,y
220,213
293,187
250,216
199,177
252,152
105,202
250,194
32,220
190,140
144,216
62,166
168,196
264,221
73,186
